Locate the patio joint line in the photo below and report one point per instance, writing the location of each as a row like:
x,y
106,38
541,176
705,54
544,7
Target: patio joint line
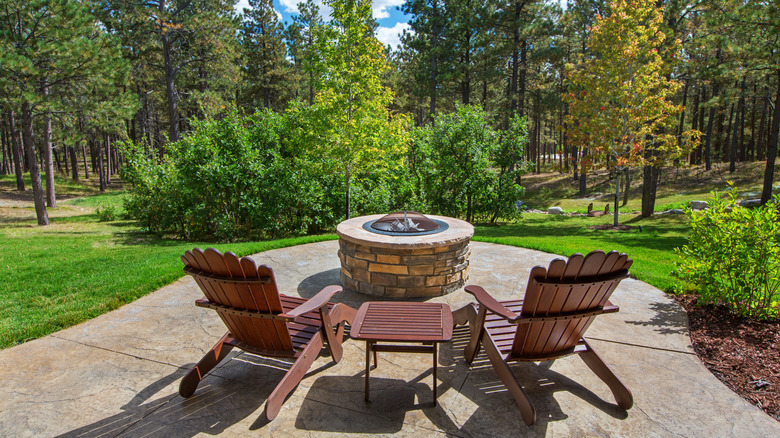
x,y
642,346
117,352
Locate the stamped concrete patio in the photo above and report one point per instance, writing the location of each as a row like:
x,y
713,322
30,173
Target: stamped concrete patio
x,y
118,375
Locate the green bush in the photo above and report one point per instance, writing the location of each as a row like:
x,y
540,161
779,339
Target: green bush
x,y
464,165
733,256
106,213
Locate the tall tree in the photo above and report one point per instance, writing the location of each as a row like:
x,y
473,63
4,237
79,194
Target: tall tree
x,y
359,132
267,68
620,99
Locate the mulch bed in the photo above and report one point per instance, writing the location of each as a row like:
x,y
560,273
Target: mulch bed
x,y
743,354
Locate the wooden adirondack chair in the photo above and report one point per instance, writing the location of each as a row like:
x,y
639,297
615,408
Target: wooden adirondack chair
x,y
262,321
559,305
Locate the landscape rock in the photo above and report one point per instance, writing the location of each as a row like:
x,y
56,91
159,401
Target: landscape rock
x,y
673,211
520,206
750,203
698,205
555,210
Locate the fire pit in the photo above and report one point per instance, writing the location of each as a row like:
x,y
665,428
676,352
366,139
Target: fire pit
x,y
404,254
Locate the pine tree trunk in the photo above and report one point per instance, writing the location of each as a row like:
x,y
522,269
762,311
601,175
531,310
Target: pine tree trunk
x,y
735,134
762,128
771,150
84,155
51,200
170,88
16,150
35,171
74,162
109,167
100,170
3,142
708,139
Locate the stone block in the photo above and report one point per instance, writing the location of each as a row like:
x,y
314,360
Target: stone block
x,y
421,270
452,278
349,283
421,251
418,260
369,289
361,275
389,259
448,263
388,269
555,210
360,264
365,256
439,249
345,273
437,280
380,279
410,281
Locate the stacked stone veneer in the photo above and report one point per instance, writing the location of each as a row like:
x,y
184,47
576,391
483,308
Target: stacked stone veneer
x,y
412,266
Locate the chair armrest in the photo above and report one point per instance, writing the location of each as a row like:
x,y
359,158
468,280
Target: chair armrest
x,y
490,303
315,302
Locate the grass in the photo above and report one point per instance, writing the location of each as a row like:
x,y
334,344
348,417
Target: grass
x,y
78,268
652,249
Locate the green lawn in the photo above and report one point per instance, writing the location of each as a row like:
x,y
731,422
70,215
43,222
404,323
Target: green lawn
x,y
78,268
652,249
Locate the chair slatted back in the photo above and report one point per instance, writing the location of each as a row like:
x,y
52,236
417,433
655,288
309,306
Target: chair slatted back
x,y
577,285
227,280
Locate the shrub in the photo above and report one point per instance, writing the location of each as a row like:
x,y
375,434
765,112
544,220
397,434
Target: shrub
x,y
106,213
733,256
464,165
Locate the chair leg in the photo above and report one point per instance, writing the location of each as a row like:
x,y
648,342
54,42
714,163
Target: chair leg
x,y
214,356
621,393
476,331
509,380
293,376
340,314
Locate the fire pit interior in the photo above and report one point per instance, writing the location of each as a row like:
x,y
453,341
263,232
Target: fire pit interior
x,y
404,254
403,223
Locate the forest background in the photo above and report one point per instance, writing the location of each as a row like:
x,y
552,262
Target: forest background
x,y
78,79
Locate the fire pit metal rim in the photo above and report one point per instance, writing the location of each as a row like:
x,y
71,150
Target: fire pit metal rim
x,y
443,226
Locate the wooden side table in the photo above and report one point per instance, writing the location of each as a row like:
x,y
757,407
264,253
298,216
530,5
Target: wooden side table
x,y
400,323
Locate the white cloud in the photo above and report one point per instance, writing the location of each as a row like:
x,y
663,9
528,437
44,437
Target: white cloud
x,y
241,5
391,35
381,7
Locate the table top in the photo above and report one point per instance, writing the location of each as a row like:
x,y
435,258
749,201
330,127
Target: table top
x,y
402,322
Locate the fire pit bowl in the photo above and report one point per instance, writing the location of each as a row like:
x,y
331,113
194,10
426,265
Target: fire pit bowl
x,y
380,258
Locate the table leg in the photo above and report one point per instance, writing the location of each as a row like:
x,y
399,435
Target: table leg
x,y
368,365
435,363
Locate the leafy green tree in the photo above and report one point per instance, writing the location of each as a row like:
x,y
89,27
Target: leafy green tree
x,y
619,102
356,129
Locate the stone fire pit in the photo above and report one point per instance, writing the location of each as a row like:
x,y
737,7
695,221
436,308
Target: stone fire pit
x,y
422,265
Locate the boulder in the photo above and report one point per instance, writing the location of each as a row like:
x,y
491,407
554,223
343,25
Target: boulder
x,y
698,205
520,206
555,210
673,211
750,203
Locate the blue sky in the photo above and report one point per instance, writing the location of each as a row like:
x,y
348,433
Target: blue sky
x,y
391,21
